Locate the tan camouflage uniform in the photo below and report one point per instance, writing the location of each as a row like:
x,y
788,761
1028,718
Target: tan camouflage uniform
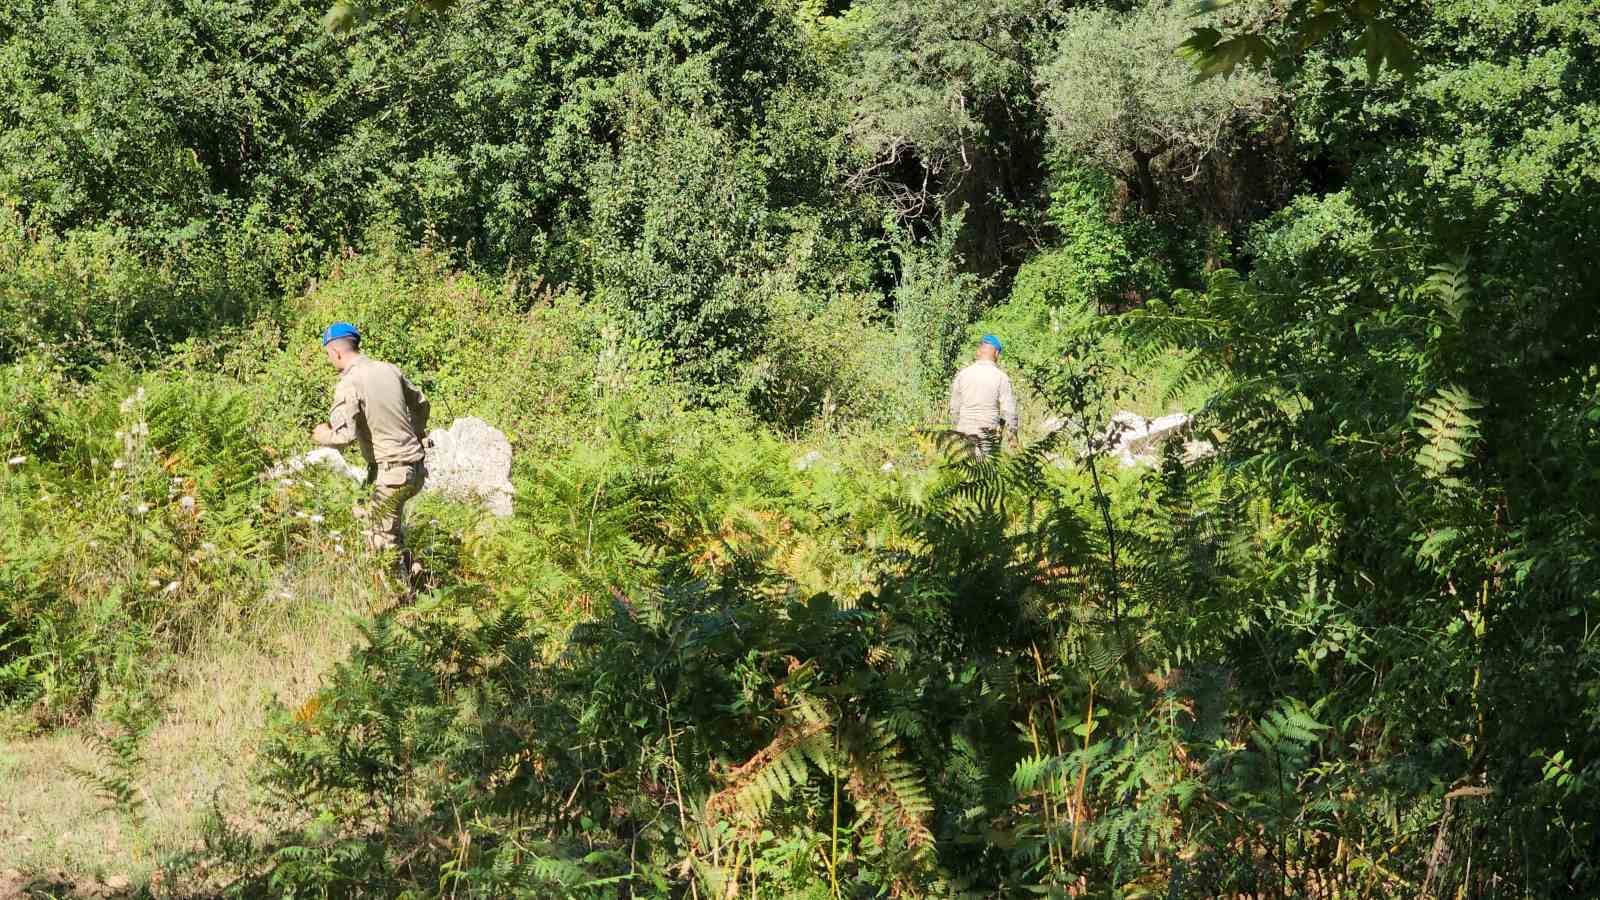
x,y
379,408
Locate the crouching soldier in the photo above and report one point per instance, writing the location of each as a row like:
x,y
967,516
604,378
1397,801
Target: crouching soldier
x,y
379,408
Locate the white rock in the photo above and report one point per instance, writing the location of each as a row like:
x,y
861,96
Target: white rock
x,y
328,457
471,461
1135,440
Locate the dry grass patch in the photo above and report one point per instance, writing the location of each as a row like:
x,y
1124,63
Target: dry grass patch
x,y
198,755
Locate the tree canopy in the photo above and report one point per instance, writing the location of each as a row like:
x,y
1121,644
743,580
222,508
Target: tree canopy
x,y
1116,95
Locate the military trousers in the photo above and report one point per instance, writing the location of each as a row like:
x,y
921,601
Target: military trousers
x,y
396,483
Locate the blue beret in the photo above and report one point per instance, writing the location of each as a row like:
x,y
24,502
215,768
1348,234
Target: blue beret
x,y
339,330
992,341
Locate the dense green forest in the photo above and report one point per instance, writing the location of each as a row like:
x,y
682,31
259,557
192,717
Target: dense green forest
x,y
759,627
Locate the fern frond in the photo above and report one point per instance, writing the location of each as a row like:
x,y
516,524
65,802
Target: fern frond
x,y
886,788
1030,771
1448,285
774,771
1448,431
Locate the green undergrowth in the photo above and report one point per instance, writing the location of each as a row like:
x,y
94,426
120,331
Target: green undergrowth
x,y
153,542
707,651
758,626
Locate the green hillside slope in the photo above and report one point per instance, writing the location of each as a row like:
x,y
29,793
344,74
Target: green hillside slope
x,y
761,625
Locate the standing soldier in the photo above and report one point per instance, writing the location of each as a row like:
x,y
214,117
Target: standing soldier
x,y
376,406
981,399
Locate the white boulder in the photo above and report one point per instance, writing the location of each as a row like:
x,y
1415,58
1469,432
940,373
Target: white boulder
x,y
1136,440
471,460
327,457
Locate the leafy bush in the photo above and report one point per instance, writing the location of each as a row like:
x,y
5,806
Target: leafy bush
x,y
827,367
934,301
94,294
1100,265
679,260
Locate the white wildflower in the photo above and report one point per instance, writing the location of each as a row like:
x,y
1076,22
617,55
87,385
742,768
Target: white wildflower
x,y
209,547
301,514
887,467
171,588
285,482
285,595
141,509
316,520
186,501
16,460
117,464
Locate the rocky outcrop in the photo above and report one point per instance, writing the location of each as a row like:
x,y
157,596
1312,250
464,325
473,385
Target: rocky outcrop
x,y
1136,440
322,457
470,461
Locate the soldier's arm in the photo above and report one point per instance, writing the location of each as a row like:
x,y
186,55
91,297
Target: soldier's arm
x,y
955,401
340,429
417,405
